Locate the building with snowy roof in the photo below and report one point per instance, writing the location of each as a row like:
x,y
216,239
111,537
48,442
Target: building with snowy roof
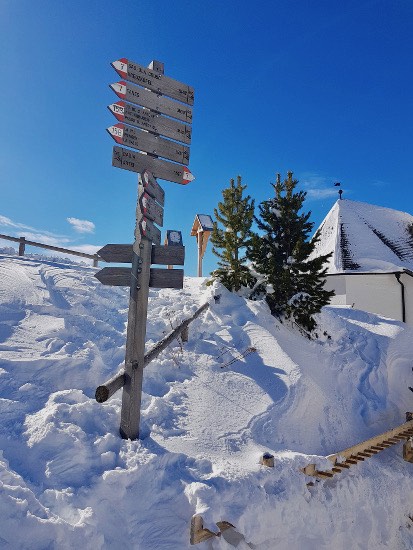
x,y
371,267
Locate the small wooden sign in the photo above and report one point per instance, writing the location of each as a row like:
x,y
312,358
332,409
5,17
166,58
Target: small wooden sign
x,y
159,278
155,81
138,162
149,230
152,187
146,98
161,255
144,141
173,238
150,209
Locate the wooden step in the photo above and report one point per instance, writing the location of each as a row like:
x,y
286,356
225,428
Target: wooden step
x,y
324,474
342,465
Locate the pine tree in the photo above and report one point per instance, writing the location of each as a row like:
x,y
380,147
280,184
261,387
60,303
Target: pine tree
x,y
236,214
292,283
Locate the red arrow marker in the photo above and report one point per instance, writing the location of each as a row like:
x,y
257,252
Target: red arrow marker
x,y
118,109
187,176
121,67
116,132
119,88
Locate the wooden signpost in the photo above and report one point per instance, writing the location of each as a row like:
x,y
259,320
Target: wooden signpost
x,y
146,249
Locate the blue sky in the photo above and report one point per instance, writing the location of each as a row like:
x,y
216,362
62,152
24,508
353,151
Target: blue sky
x,y
323,88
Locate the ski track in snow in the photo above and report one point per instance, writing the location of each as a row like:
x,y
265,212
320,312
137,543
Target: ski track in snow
x,y
67,480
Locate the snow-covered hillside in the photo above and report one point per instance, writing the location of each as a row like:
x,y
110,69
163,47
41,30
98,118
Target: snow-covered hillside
x,y
67,480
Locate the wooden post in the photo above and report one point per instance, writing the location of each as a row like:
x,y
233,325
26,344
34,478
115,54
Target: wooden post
x,y
22,246
138,311
185,334
95,261
200,238
136,332
267,459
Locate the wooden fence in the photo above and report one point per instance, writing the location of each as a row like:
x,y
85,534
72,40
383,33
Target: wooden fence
x,y
106,390
23,242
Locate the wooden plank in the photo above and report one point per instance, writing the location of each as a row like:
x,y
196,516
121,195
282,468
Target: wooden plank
x,y
155,81
166,278
150,121
197,532
151,209
168,255
147,229
161,255
114,276
138,162
144,141
151,186
159,278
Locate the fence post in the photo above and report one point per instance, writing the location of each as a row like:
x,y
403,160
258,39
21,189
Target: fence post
x,y
22,246
95,261
185,334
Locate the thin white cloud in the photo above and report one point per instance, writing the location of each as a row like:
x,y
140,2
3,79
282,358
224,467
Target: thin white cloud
x,y
318,187
25,230
321,193
46,238
82,226
17,229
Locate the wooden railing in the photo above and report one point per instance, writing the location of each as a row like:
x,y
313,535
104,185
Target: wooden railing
x,y
106,390
357,453
23,242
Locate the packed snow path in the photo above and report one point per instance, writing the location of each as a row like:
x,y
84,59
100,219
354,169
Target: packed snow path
x,y
67,480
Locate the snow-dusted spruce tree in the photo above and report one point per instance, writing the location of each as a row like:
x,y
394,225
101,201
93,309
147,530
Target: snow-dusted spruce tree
x,y
292,283
235,213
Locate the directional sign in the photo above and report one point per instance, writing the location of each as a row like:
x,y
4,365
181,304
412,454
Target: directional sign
x,y
158,124
159,278
162,255
149,230
137,162
158,82
150,209
143,141
148,99
152,187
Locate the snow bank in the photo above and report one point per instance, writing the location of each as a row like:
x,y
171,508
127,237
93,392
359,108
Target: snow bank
x,y
243,385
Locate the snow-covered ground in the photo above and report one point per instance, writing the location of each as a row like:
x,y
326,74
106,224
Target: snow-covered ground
x,y
67,480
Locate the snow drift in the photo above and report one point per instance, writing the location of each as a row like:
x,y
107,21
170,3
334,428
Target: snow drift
x,y
67,480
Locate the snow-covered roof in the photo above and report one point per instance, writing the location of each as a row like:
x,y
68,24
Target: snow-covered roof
x,y
366,238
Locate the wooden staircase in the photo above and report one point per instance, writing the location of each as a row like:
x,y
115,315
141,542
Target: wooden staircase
x,y
343,460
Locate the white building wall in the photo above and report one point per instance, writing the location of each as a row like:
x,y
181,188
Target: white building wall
x,y
407,280
338,284
378,293
375,293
